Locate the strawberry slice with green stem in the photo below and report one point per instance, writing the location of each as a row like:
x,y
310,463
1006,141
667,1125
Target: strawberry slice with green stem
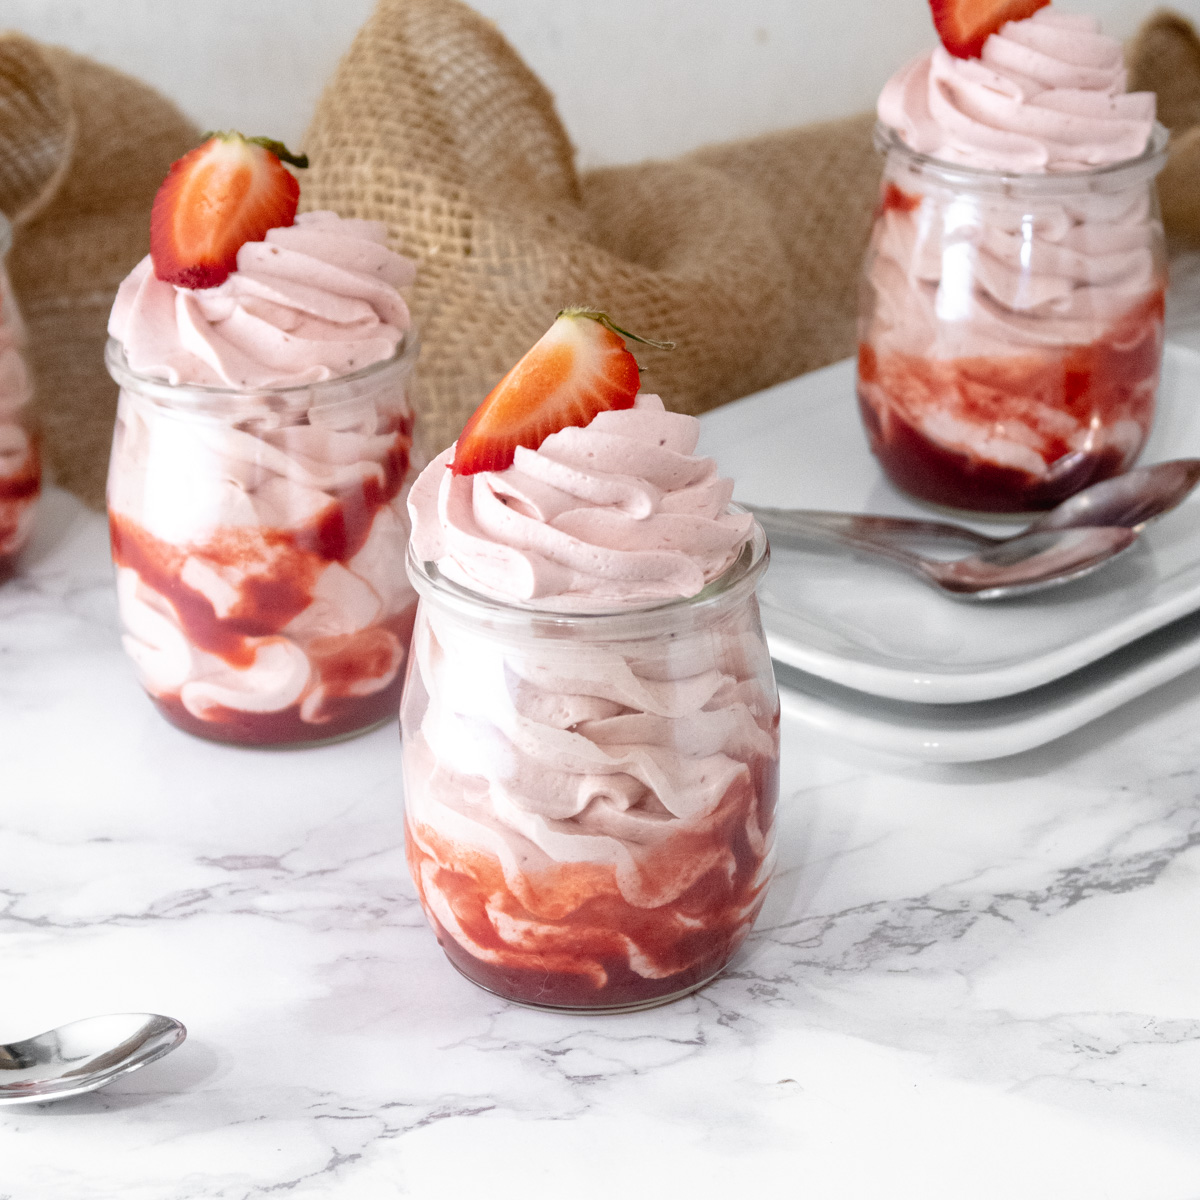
x,y
215,199
964,25
578,368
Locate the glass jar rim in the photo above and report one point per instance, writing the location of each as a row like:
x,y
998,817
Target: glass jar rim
x,y
405,354
888,141
735,582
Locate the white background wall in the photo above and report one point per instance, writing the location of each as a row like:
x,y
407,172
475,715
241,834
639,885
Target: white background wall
x,y
634,78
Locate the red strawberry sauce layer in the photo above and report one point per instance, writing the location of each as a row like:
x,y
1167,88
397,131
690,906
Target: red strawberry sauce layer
x,y
583,945
1111,380
342,715
18,492
282,567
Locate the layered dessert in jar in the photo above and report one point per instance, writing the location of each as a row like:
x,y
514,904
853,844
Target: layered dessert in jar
x,y
20,468
1011,326
590,720
261,458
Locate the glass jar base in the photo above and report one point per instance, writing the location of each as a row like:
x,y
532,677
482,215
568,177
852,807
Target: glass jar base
x,y
954,481
602,1010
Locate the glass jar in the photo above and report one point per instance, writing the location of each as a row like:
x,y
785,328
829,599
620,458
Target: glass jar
x,y
590,798
1011,327
20,467
259,541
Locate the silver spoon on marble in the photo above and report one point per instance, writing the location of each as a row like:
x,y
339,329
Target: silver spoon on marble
x,y
84,1055
1071,540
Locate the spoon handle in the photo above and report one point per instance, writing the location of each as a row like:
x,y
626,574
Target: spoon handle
x,y
891,536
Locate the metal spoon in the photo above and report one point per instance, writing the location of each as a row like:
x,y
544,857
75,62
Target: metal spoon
x,y
84,1055
1070,540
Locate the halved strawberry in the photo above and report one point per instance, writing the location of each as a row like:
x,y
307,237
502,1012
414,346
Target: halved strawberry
x,y
964,25
578,368
227,192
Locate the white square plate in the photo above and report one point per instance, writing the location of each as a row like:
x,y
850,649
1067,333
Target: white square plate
x,y
992,728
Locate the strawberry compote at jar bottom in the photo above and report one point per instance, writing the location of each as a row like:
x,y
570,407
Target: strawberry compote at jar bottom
x,y
259,539
1011,327
590,796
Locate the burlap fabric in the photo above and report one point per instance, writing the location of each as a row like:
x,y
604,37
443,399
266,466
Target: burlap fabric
x,y
1165,58
745,254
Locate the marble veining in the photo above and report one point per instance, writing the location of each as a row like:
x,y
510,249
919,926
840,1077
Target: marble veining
x,y
968,982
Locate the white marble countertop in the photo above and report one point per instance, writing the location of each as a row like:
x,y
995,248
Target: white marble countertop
x,y
969,982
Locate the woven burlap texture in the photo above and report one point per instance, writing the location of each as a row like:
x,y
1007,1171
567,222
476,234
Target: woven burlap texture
x,y
83,149
1165,59
746,255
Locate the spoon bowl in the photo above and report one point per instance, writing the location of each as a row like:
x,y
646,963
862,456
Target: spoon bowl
x,y
1131,499
84,1055
1029,562
1075,538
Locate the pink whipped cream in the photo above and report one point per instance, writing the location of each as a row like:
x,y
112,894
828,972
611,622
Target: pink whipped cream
x,y
260,541
1005,279
312,301
620,513
1047,94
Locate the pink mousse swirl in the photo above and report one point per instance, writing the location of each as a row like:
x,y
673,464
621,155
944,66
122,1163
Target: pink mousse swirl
x,y
1047,94
312,301
618,514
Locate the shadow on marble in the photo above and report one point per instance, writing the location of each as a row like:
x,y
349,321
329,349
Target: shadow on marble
x,y
184,1070
798,873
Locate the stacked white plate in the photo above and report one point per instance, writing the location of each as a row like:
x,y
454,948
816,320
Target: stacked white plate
x,y
868,653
